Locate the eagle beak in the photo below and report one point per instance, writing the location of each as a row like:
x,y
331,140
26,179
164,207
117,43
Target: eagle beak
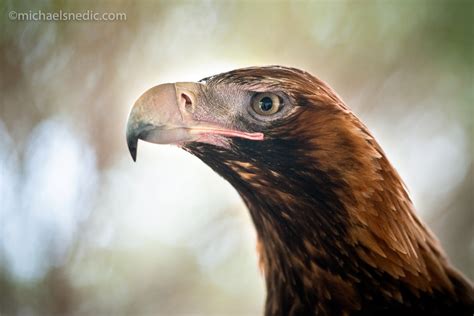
x,y
164,115
160,116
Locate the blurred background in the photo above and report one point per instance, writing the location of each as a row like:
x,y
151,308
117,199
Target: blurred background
x,y
85,231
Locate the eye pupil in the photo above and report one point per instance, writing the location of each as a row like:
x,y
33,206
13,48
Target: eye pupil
x,y
266,104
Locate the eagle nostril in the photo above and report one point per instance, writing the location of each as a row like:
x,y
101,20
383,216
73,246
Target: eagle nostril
x,y
188,103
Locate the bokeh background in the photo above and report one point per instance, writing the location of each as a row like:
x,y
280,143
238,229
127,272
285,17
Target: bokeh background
x,y
85,231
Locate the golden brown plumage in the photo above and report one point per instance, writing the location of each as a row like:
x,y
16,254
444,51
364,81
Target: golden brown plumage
x,y
337,231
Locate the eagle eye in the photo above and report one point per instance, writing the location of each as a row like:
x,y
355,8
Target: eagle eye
x,y
266,103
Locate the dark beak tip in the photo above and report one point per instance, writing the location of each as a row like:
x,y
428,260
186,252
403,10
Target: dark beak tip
x,y
134,156
133,152
132,143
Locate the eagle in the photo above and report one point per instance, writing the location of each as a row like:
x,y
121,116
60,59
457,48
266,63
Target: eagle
x,y
337,233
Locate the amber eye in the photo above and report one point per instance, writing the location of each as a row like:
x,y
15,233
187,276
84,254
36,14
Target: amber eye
x,y
266,104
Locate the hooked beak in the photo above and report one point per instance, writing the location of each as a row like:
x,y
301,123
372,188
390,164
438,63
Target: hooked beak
x,y
164,115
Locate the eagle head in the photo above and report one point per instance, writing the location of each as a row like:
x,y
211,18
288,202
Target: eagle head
x,y
264,124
